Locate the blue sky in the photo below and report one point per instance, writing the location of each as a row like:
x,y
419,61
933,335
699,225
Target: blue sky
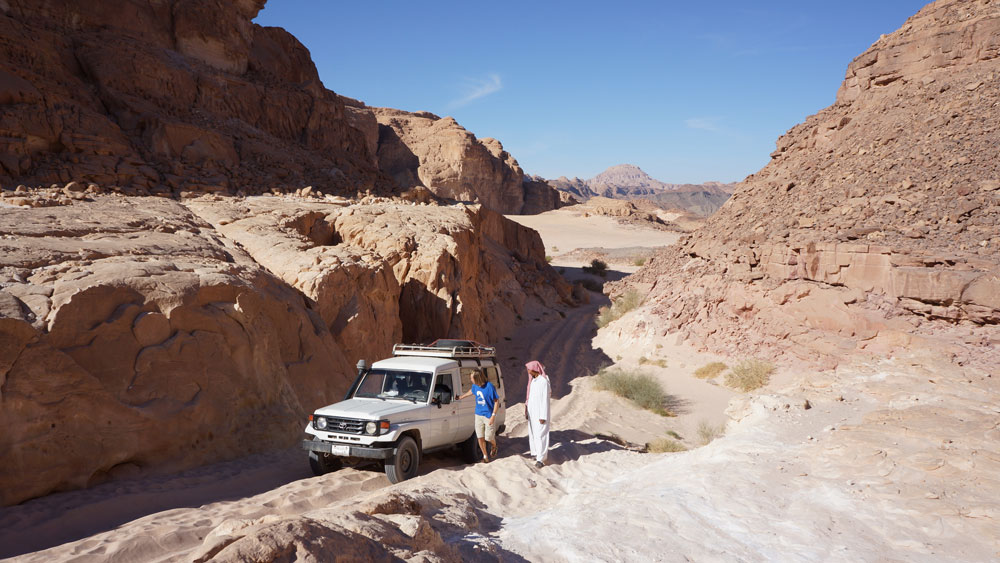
x,y
689,92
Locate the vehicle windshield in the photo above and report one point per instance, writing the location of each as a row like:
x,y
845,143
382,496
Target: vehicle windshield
x,y
392,384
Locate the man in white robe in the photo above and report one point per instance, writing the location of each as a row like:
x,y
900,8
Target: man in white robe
x,y
537,411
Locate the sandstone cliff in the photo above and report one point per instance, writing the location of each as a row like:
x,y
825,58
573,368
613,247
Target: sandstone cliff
x,y
876,215
167,97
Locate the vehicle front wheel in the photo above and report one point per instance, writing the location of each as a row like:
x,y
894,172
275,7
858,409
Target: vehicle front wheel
x,y
471,452
404,461
322,463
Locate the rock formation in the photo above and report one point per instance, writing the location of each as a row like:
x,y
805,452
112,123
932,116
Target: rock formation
x,y
626,181
168,97
143,334
876,215
147,334
422,149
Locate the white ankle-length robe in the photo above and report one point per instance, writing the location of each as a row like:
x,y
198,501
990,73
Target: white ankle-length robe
x,y
538,409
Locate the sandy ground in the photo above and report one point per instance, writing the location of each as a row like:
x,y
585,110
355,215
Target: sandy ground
x,y
832,467
573,240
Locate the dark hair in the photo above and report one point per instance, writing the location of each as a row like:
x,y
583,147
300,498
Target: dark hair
x,y
479,378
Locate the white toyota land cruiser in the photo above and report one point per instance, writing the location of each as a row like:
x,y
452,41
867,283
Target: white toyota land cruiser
x,y
402,407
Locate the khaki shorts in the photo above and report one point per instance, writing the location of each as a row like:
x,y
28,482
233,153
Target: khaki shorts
x,y
484,429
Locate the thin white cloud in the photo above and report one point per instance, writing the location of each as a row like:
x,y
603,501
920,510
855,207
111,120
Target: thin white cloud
x,y
704,123
476,88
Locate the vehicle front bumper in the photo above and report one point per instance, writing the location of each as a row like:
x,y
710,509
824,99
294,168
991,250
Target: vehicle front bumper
x,y
354,451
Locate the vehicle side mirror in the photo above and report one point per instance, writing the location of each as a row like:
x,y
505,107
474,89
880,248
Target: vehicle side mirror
x,y
442,396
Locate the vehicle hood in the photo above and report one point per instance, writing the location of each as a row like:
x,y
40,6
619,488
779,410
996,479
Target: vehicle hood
x,y
370,409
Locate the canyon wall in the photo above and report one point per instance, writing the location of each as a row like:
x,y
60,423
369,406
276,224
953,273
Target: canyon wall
x,y
875,218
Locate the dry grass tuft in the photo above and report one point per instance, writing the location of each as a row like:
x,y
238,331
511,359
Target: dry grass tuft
x,y
639,388
749,374
627,302
708,432
665,445
708,371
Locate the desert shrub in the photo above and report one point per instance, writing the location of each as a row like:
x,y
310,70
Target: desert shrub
x,y
597,268
749,374
665,445
661,363
592,285
711,370
639,388
548,258
708,432
639,261
627,302
674,435
643,360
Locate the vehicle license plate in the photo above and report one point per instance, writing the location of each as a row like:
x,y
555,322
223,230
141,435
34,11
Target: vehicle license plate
x,y
340,450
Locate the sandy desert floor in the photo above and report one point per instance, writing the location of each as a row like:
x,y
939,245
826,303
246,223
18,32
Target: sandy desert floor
x,y
831,467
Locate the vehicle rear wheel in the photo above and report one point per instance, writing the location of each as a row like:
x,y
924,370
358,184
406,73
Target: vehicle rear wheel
x,y
404,462
471,452
322,463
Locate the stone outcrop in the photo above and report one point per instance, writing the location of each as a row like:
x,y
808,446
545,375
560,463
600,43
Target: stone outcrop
x,y
876,215
144,335
422,149
171,97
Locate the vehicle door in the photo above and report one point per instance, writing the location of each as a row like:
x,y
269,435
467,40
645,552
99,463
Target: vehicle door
x,y
443,419
465,425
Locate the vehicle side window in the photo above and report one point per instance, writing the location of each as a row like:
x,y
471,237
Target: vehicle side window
x,y
467,378
493,376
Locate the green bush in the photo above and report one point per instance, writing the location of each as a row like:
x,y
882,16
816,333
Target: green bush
x,y
639,261
597,268
639,388
665,445
548,258
711,370
627,302
708,432
749,374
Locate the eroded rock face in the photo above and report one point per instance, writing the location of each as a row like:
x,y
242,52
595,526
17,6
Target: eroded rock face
x,y
882,208
422,149
148,335
135,339
171,97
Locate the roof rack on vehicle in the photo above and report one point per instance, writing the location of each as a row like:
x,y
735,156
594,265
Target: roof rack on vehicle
x,y
473,350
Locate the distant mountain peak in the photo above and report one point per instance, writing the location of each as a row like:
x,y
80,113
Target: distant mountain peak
x,y
624,175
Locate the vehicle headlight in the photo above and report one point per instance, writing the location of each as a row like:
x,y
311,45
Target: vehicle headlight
x,y
371,427
321,423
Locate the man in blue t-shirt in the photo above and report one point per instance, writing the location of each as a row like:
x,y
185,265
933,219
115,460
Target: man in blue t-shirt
x,y
487,405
